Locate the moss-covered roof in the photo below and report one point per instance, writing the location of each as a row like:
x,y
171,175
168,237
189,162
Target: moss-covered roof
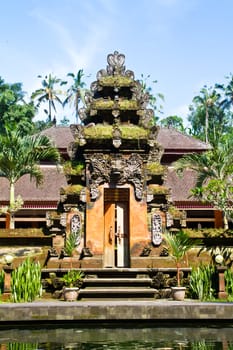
x,y
116,81
71,189
105,132
124,104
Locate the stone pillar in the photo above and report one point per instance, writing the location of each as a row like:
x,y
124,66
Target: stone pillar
x,y
7,281
218,219
222,294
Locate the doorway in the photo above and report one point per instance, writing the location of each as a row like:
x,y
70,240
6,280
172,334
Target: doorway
x,y
116,227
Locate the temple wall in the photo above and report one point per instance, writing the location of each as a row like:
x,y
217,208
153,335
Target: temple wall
x,y
139,234
95,224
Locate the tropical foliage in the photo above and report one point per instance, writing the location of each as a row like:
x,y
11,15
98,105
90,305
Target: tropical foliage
x,y
178,244
21,154
14,111
26,282
202,285
71,243
48,93
76,91
206,108
211,112
228,274
73,278
214,171
173,121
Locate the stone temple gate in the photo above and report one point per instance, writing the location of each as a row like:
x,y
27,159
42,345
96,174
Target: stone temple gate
x,y
115,197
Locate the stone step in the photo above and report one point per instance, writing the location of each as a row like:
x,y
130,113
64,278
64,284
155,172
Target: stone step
x,y
117,292
117,281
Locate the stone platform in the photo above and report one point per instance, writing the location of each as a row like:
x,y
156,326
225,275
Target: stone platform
x,y
83,312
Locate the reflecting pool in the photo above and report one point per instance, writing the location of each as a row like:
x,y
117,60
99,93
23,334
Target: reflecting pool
x,y
125,337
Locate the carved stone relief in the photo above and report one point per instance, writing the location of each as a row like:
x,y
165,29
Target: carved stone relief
x,y
75,226
116,136
156,229
146,117
115,67
107,168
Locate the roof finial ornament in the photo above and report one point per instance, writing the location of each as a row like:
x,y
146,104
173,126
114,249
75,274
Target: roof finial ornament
x,y
116,63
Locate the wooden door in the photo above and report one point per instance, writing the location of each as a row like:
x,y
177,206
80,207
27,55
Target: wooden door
x,y
122,247
109,234
116,228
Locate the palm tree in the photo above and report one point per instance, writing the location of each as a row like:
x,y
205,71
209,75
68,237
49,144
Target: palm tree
x,y
21,154
215,164
178,244
48,93
227,102
206,101
76,91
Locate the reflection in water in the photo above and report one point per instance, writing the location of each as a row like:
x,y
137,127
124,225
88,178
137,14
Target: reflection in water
x,y
198,338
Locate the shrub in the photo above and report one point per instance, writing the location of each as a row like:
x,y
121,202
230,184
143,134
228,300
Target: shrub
x,y
202,282
26,283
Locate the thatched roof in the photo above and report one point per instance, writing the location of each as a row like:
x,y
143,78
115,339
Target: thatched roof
x,y
174,140
27,189
171,140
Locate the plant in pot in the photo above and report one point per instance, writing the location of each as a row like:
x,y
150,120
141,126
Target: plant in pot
x,y
73,278
178,244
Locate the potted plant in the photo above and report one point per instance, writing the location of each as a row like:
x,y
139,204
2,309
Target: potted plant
x,y
178,244
73,280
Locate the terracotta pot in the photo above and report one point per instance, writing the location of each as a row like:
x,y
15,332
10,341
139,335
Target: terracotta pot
x,y
70,293
178,293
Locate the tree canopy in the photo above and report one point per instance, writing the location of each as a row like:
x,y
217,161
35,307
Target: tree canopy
x,y
14,111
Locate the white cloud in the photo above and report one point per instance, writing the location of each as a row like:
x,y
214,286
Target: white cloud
x,y
80,51
181,111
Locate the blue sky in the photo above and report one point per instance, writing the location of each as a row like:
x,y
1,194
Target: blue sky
x,y
184,44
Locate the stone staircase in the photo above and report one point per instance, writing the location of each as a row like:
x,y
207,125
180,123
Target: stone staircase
x,y
118,284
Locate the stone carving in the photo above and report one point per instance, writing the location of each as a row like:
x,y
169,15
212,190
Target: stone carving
x,y
169,219
63,219
88,99
116,136
101,73
134,173
95,86
49,221
75,226
106,168
79,136
115,113
82,113
146,117
155,153
139,94
116,63
115,67
94,192
156,229
100,168
156,150
72,149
